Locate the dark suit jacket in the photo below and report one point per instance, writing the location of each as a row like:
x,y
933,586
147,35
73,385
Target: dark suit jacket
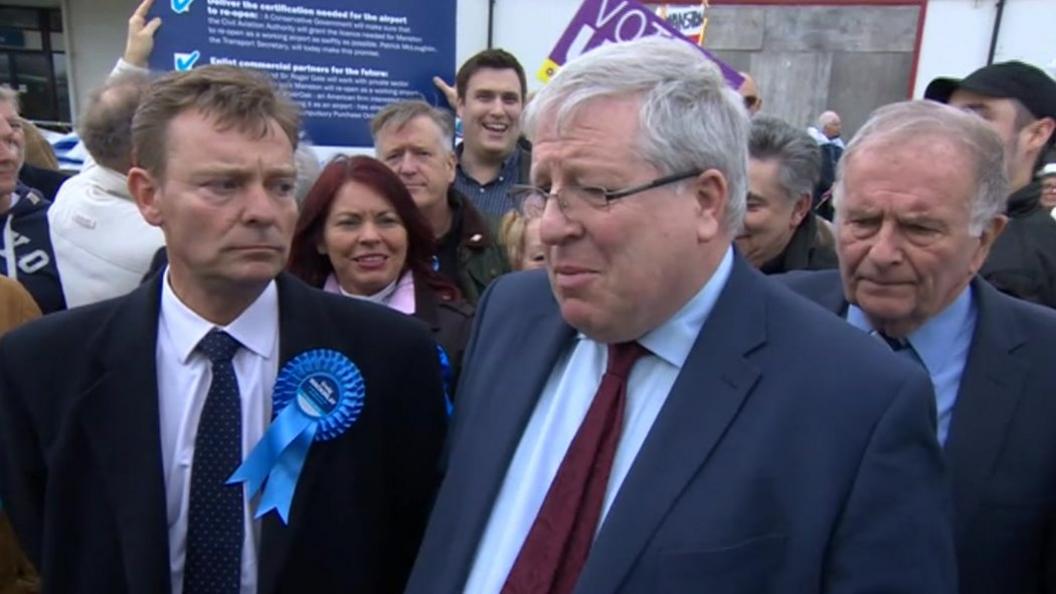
x,y
757,475
450,321
81,470
1001,451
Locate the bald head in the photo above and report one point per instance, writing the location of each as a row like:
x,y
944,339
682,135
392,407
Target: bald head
x,y
753,102
106,124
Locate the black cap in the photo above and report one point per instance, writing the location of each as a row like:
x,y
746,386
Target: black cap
x,y
1006,80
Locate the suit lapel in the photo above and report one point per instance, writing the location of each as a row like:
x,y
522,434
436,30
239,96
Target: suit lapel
x,y
119,415
989,393
299,330
704,400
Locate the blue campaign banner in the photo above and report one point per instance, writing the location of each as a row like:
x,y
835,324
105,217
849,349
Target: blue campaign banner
x,y
342,60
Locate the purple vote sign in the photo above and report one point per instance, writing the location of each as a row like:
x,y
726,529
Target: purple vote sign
x,y
598,22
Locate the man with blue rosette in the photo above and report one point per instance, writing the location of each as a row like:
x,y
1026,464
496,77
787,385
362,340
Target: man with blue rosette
x,y
224,428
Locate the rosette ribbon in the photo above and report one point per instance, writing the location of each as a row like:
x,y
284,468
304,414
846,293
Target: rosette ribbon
x,y
318,395
448,376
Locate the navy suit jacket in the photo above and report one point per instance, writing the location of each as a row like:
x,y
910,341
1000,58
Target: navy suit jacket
x,y
758,474
1001,451
81,471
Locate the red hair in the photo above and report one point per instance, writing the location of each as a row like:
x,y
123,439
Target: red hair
x,y
313,268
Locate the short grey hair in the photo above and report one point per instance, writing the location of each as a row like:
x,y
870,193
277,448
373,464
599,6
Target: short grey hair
x,y
399,114
10,96
797,154
689,117
901,122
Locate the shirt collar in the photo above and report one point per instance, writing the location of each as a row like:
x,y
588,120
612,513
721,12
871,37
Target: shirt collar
x,y
933,340
112,182
672,340
256,328
508,167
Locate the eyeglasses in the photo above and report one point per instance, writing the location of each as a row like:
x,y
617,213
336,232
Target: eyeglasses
x,y
531,200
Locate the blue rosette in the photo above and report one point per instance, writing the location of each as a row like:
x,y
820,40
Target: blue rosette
x,y
448,376
318,395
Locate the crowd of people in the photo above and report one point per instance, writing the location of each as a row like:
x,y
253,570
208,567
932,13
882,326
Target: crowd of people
x,y
631,335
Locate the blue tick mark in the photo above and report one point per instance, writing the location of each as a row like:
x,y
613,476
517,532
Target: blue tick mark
x,y
185,61
181,6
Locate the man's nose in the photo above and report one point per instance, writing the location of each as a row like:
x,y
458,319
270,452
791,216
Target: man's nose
x,y
259,206
555,227
886,249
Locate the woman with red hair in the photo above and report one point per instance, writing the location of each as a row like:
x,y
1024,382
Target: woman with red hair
x,y
361,235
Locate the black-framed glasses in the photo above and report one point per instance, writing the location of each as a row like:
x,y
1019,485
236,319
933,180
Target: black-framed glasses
x,y
531,200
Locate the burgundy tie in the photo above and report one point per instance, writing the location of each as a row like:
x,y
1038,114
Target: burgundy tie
x,y
556,548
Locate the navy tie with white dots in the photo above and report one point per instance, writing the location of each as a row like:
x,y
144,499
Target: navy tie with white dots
x,y
213,564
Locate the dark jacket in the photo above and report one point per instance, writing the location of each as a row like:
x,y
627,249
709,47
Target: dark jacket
x,y
35,258
758,475
81,457
450,322
480,258
45,181
810,248
1022,261
1001,450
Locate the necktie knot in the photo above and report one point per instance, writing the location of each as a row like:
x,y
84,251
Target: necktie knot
x,y
622,357
219,346
896,344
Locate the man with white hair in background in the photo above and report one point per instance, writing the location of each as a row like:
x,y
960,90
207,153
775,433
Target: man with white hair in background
x,y
918,206
646,415
828,130
25,248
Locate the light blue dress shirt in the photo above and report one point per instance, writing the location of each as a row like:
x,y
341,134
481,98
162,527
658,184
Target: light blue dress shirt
x,y
560,411
942,344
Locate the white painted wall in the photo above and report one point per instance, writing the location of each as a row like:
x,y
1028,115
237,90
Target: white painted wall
x,y
957,37
529,29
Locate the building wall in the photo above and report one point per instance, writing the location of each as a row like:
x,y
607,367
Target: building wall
x,y
955,41
807,59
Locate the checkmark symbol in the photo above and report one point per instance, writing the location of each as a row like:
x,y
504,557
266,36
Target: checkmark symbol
x,y
181,6
183,62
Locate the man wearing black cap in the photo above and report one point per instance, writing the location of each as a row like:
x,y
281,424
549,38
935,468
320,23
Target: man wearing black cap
x,y
1018,101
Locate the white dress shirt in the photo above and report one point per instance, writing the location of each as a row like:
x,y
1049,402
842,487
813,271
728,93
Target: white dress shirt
x,y
184,376
558,414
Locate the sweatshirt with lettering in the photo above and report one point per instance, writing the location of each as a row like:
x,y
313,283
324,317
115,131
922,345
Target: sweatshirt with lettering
x,y
26,254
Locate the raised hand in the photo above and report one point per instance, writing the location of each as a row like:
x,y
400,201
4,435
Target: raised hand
x,y
141,35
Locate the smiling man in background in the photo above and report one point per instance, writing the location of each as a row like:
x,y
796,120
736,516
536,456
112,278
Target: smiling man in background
x,y
491,90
